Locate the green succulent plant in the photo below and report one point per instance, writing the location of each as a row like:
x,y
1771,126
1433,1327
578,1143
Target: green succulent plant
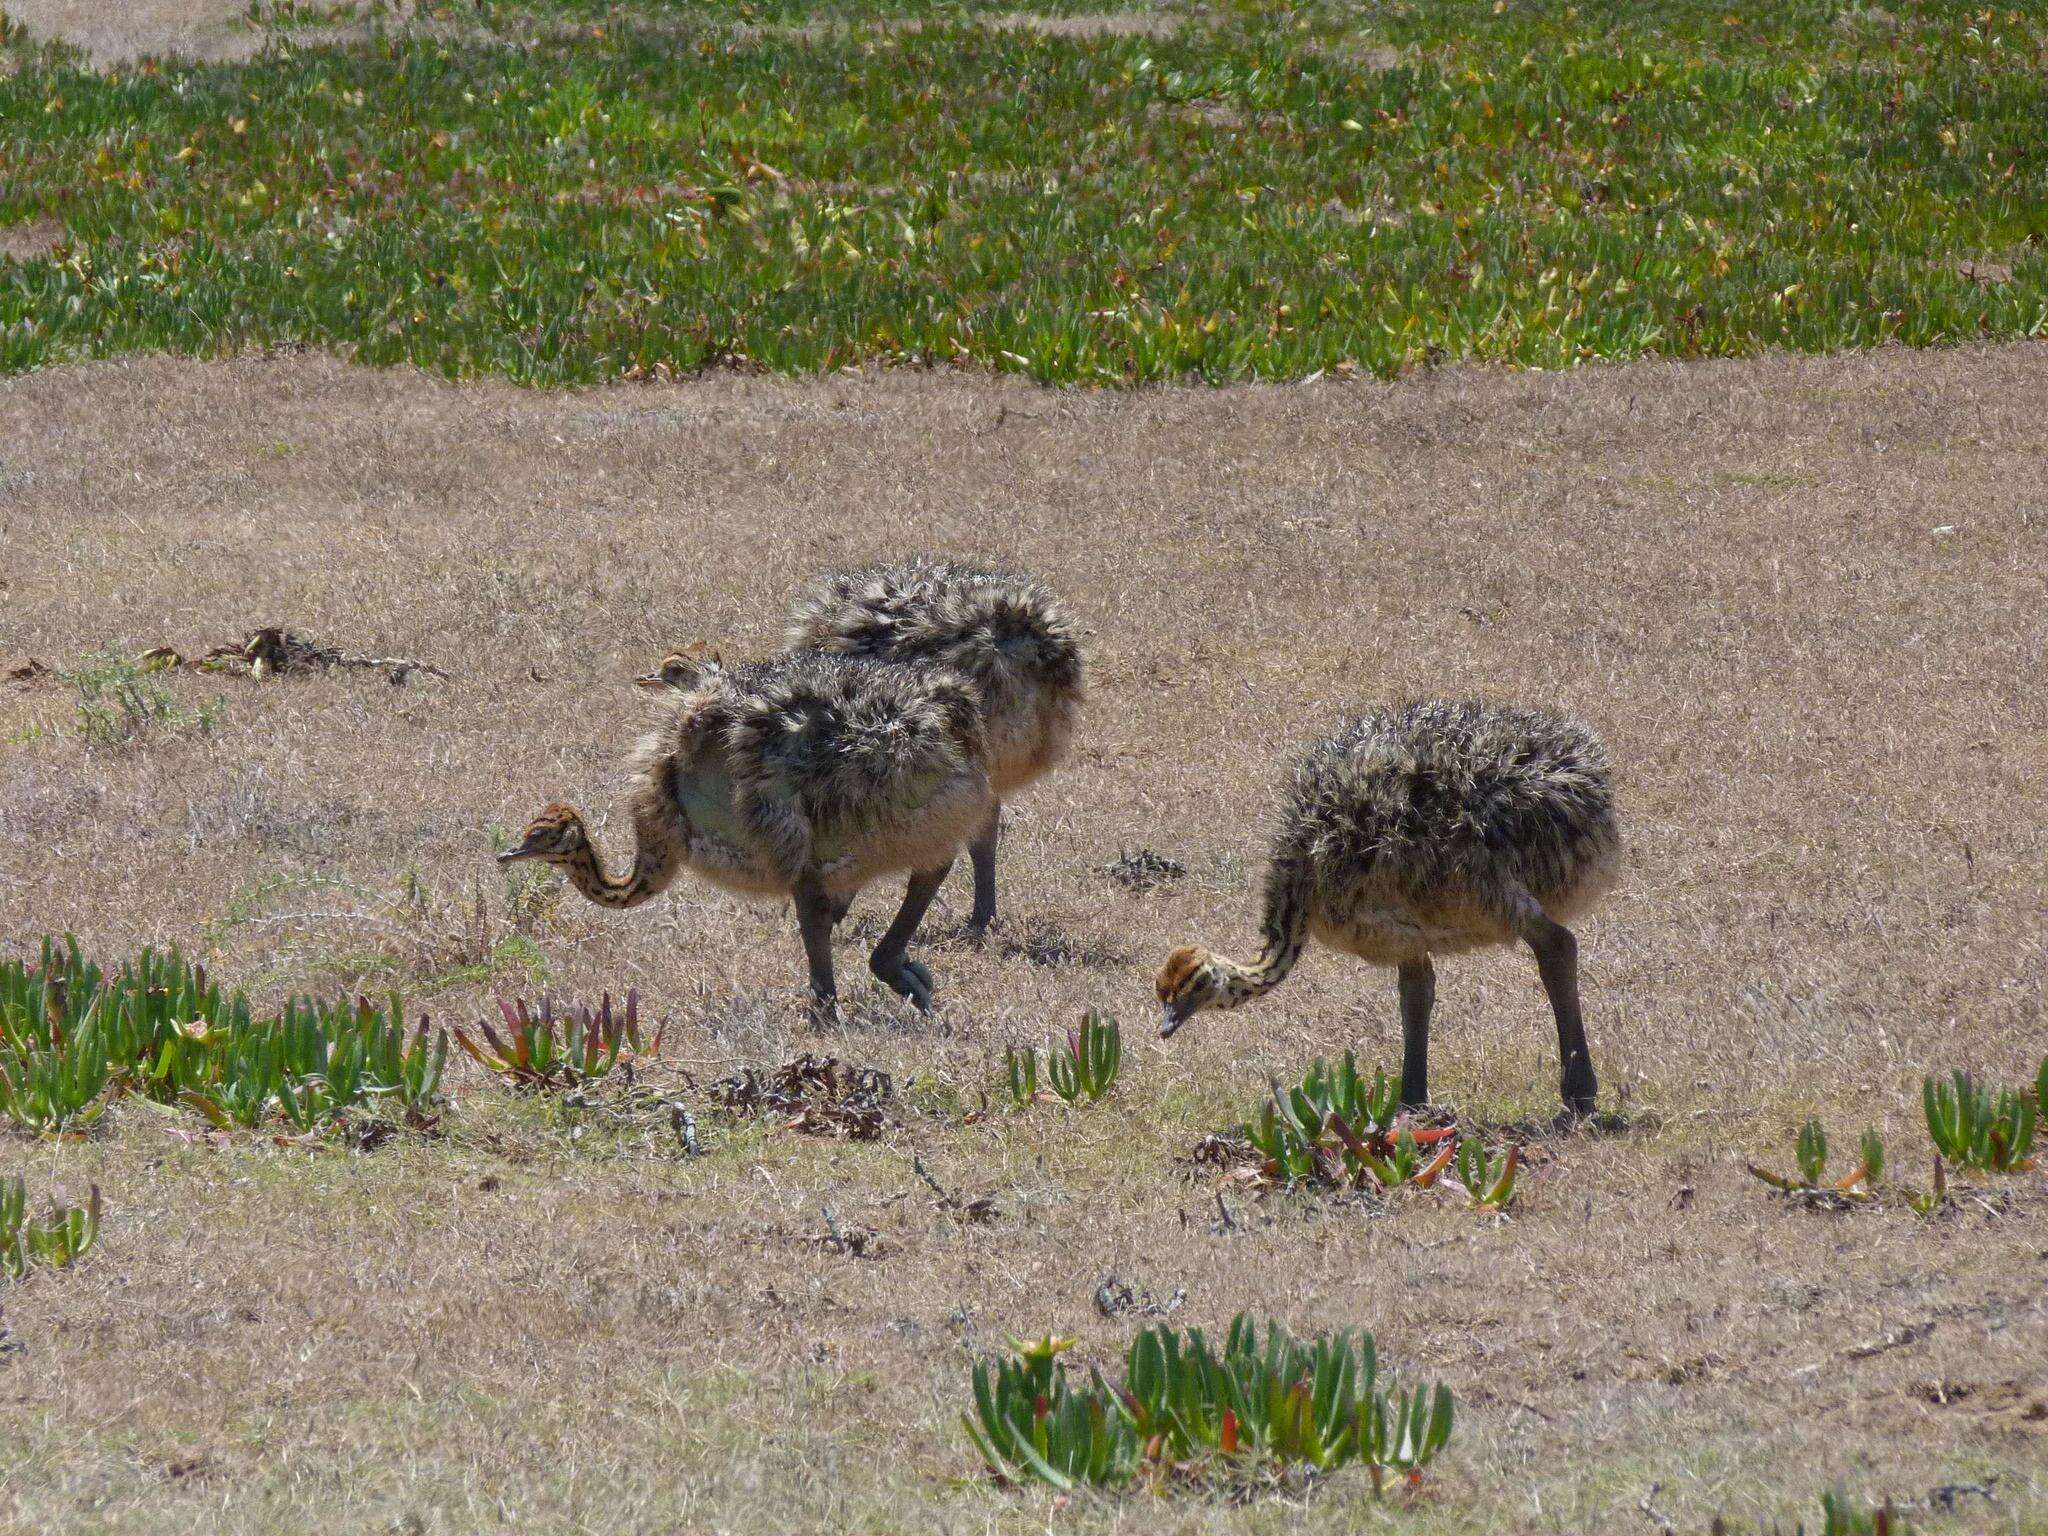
x,y
1334,1127
541,1049
1029,1423
74,1037
59,1239
1316,1403
1080,1073
1972,1131
1087,1069
1490,1181
1020,1070
1813,1184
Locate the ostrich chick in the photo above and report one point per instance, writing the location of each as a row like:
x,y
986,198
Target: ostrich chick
x,y
1426,830
806,776
1008,635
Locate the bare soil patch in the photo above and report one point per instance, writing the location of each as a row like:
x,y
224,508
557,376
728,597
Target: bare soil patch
x,y
114,33
219,30
1802,598
31,241
1091,24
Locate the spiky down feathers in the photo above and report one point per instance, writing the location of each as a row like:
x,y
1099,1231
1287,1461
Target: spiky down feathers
x,y
825,753
1007,634
1417,813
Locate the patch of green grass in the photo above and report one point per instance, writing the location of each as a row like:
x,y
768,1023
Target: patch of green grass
x,y
513,15
316,13
120,703
1280,192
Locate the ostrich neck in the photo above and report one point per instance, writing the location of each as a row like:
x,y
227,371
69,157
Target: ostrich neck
x,y
1244,982
1286,930
657,855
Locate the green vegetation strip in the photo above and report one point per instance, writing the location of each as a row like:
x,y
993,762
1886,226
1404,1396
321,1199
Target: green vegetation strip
x,y
73,1038
1266,192
1288,1403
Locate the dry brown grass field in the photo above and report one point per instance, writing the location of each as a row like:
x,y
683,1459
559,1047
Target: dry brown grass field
x,y
1803,600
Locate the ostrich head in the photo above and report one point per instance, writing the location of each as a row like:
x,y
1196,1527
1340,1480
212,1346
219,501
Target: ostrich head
x,y
684,669
1192,981
554,836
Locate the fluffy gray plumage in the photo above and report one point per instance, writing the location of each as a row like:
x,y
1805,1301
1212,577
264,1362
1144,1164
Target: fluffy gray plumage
x,y
1424,830
1429,827
855,765
1008,635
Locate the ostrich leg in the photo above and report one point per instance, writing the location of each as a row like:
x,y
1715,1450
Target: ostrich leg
x,y
1418,998
982,852
889,962
1557,962
815,914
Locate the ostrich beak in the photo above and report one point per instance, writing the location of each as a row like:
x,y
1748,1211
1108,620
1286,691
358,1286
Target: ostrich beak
x,y
525,850
650,680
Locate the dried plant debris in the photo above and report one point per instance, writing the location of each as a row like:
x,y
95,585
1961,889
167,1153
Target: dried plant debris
x,y
1116,1295
979,1208
274,651
815,1095
1043,943
1223,1150
1142,869
29,674
849,1238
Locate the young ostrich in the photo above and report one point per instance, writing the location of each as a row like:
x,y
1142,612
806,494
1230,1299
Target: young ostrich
x,y
1428,830
1006,634
807,776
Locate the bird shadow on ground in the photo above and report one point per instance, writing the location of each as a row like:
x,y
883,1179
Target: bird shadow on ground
x,y
1037,940
1551,1130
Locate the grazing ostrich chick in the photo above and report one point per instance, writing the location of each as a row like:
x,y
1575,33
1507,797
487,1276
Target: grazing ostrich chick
x,y
807,776
1428,830
1006,634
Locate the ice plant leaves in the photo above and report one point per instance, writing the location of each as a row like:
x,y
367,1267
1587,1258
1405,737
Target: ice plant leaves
x,y
74,1038
59,1239
1972,1132
1080,1072
539,1050
1278,1400
1336,1128
1813,1186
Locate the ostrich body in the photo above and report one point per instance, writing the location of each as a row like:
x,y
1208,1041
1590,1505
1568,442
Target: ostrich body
x,y
1006,634
807,776
1431,829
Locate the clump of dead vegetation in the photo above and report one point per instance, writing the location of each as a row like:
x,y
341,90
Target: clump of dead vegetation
x,y
74,1039
817,1096
274,651
1141,869
1190,1414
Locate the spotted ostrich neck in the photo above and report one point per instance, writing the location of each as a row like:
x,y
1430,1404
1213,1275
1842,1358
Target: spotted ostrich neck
x,y
657,855
1241,983
1286,929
